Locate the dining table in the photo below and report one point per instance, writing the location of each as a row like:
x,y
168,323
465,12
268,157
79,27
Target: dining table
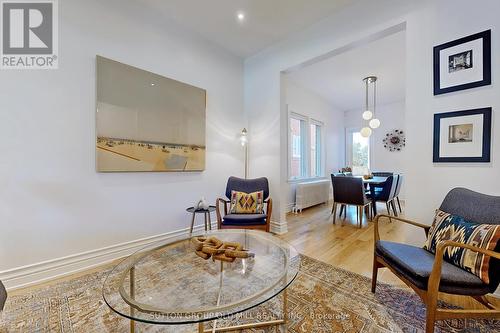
x,y
376,181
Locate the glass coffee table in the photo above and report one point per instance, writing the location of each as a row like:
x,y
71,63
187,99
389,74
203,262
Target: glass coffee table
x,y
168,284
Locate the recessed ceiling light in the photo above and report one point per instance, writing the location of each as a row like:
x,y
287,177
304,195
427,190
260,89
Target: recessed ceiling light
x,y
152,84
240,16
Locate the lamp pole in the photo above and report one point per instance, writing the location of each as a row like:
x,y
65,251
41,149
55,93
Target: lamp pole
x,y
244,143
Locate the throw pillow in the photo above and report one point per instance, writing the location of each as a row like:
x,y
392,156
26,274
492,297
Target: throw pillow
x,y
247,203
456,228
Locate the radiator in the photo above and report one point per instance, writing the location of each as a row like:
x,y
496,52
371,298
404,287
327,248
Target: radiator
x,y
311,193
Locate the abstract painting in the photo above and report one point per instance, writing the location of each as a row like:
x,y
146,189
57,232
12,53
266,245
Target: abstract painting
x,y
147,122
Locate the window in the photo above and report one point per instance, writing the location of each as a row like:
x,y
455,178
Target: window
x,y
297,165
306,145
358,151
315,132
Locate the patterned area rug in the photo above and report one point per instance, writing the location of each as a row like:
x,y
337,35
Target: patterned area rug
x,y
323,298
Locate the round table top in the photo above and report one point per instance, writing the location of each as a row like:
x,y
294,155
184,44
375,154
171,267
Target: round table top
x,y
192,210
172,285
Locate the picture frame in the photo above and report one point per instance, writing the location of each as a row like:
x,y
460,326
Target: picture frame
x,y
462,64
146,122
462,136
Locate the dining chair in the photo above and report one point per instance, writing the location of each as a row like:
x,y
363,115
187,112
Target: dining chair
x,y
385,193
342,207
398,190
350,191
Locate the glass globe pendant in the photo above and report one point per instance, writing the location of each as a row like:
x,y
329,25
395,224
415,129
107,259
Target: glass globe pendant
x,y
367,115
366,132
374,123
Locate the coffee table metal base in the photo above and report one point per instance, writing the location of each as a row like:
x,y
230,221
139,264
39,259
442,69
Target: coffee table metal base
x,y
201,326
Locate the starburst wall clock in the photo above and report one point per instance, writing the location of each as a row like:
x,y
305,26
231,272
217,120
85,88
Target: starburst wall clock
x,y
394,140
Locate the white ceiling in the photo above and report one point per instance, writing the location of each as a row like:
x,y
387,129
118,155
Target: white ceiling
x,y
266,21
339,79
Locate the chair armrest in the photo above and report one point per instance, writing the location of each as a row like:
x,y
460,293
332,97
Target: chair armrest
x,y
435,277
269,212
217,209
416,224
269,208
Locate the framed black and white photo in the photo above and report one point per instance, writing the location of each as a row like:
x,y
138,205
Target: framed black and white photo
x,y
463,63
462,136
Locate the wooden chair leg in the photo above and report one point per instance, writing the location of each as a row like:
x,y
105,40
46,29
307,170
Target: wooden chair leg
x,y
399,205
334,211
363,214
360,215
374,274
431,312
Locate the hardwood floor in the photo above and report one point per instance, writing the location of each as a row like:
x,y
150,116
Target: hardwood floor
x,y
346,246
343,245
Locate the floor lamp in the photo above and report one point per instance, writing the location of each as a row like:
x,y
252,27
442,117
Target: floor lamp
x,y
244,143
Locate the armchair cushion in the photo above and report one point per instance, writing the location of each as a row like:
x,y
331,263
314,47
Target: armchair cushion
x,y
415,264
452,227
247,203
244,219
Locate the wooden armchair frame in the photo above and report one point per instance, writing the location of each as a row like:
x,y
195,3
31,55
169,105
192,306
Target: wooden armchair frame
x,y
225,202
430,296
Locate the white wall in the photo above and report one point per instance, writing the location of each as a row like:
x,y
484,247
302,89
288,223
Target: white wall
x,y
307,103
265,103
440,22
428,23
391,116
52,201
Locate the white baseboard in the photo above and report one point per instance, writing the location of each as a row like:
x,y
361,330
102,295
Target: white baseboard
x,y
32,274
279,228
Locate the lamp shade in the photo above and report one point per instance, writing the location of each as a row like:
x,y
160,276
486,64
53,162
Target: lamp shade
x,y
367,115
366,132
374,123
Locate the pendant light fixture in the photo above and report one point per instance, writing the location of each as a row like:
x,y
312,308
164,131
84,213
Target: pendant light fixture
x,y
369,113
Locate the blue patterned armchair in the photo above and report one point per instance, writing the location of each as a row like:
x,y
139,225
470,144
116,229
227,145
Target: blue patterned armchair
x,y
245,221
428,274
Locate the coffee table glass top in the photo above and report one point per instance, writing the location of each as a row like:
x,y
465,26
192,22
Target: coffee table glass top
x,y
170,284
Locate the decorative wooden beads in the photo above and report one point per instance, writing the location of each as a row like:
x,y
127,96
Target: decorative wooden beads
x,y
218,250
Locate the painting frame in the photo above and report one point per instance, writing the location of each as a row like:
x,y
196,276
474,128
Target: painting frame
x,y
483,64
147,122
485,136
